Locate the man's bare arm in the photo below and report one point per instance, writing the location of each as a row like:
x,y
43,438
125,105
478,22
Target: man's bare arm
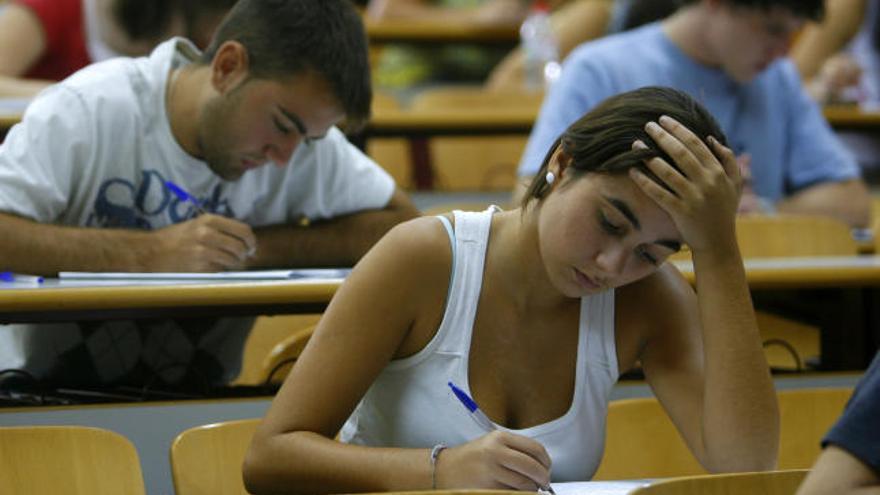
x,y
341,241
207,243
848,201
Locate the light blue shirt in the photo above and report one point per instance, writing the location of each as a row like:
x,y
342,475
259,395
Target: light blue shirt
x,y
771,117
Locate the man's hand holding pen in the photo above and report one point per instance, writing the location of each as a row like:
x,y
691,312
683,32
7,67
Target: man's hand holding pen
x,y
206,243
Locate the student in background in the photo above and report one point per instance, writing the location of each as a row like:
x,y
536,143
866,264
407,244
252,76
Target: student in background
x,y
248,128
728,54
839,58
43,41
402,67
576,22
850,461
535,312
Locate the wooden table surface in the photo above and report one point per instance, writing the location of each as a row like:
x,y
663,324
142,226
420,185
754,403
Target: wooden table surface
x,y
427,31
55,300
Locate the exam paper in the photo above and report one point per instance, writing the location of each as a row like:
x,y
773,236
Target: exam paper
x,y
304,273
622,487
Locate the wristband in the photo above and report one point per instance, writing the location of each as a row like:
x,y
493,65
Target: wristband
x,y
435,453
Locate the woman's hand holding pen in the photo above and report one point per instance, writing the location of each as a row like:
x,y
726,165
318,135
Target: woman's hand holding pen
x,y
205,243
498,459
704,196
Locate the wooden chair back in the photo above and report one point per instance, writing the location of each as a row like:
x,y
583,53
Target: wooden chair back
x,y
206,460
68,460
780,236
475,163
642,442
805,416
277,364
762,483
772,236
265,336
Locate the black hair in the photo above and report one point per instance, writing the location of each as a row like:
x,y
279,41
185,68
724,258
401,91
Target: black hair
x,y
149,19
602,140
284,38
809,9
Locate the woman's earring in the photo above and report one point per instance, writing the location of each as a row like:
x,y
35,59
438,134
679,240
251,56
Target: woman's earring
x,y
550,177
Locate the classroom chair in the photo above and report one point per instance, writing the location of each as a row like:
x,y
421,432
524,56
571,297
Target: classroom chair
x,y
761,483
68,460
789,343
392,153
278,362
805,416
267,334
642,442
206,460
475,163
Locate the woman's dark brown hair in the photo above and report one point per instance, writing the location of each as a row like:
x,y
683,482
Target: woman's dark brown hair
x,y
602,140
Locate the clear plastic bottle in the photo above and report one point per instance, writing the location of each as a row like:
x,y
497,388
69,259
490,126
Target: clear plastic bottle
x,y
540,48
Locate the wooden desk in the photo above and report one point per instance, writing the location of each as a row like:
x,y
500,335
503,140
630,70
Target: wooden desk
x,y
850,282
851,117
415,124
57,301
846,294
423,31
11,111
805,273
419,126
6,123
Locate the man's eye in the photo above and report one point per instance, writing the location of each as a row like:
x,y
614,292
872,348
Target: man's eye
x,y
281,127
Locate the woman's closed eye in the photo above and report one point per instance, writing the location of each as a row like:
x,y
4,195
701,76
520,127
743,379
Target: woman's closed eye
x,y
610,227
646,255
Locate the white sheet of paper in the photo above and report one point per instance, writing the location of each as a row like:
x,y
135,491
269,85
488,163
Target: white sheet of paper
x,y
306,273
621,487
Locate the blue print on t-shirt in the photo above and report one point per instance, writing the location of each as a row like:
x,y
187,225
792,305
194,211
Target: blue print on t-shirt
x,y
148,204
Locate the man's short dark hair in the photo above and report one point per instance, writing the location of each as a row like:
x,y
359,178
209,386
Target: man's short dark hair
x,y
284,38
808,9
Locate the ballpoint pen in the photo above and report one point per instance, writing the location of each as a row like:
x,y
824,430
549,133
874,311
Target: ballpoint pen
x,y
19,278
182,195
481,419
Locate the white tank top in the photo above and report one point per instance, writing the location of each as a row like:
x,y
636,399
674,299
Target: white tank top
x,y
410,405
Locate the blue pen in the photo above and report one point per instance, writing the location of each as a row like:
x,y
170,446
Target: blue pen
x,y
481,419
18,278
478,416
182,195
187,197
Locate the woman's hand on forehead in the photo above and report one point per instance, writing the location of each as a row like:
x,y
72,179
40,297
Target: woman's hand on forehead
x,y
702,195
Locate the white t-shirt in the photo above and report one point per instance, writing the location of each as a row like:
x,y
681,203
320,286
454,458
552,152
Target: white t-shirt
x,y
96,149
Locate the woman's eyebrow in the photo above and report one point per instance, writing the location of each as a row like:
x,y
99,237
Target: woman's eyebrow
x,y
624,210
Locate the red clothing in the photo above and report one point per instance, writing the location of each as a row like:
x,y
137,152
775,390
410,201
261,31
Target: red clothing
x,y
64,26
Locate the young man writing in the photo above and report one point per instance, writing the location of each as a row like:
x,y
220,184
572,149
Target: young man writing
x,y
248,128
